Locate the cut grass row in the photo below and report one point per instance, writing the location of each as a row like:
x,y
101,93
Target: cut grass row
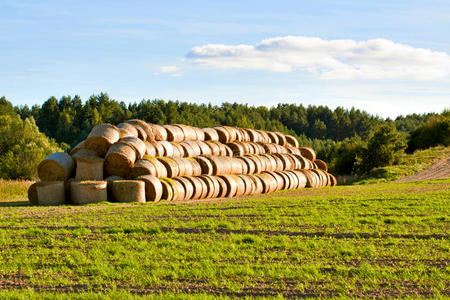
x,y
386,240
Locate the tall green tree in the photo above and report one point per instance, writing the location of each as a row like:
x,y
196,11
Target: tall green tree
x,y
384,148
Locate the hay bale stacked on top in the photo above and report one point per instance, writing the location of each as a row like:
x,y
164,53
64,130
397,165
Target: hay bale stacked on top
x,y
139,161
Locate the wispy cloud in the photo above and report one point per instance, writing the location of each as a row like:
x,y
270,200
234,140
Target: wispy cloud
x,y
174,71
328,59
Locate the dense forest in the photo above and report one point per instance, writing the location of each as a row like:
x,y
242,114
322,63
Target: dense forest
x,y
337,135
68,120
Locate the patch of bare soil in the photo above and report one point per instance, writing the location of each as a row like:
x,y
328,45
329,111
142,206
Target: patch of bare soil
x,y
439,170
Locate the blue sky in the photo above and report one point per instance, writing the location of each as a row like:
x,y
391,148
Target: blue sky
x,y
386,57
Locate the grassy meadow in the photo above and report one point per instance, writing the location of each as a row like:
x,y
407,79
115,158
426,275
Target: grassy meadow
x,y
380,240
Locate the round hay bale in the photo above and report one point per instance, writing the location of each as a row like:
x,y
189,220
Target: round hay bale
x,y
161,170
149,136
293,150
246,146
231,185
142,135
244,134
174,133
224,136
268,147
185,165
204,148
168,148
282,162
137,144
259,186
321,165
197,185
128,191
205,189
273,137
332,179
302,179
195,147
236,148
171,166
153,188
256,162
167,190
214,147
216,164
187,150
272,163
109,180
142,167
200,134
189,132
240,185
150,149
32,194
291,141
323,178
250,165
248,183
222,187
252,149
101,138
180,194
127,129
301,160
223,149
187,186
308,152
84,192
296,164
182,165
264,136
178,150
89,168
225,165
159,148
232,133
208,186
279,182
244,166
77,148
216,186
294,179
239,167
228,151
196,168
48,193
210,134
254,136
286,184
57,167
282,141
269,183
119,159
159,132
206,165
311,178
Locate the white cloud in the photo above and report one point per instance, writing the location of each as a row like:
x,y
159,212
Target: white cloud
x,y
169,69
328,59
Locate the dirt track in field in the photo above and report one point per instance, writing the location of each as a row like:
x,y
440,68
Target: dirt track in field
x,y
439,170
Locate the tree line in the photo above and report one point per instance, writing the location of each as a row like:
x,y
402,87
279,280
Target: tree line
x,y
338,135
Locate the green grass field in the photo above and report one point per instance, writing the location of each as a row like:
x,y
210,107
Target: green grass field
x,y
385,240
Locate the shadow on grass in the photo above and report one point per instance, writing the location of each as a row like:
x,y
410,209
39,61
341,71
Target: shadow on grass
x,y
15,203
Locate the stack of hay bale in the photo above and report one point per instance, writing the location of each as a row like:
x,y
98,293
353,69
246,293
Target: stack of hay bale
x,y
136,161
